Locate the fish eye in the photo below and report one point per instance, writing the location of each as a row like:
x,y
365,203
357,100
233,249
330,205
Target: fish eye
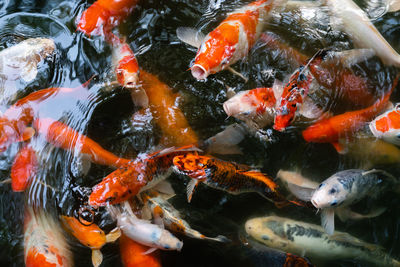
x,y
321,185
294,105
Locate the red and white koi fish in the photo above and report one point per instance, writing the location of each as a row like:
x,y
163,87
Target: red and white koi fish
x,y
133,254
230,41
23,169
44,242
346,124
144,172
60,135
104,15
387,126
90,235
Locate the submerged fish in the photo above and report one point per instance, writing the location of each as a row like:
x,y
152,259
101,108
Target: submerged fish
x,y
343,189
44,242
143,231
23,169
144,172
310,240
90,235
230,41
387,126
19,62
133,254
224,175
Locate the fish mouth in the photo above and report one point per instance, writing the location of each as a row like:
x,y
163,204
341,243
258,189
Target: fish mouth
x,y
314,203
199,72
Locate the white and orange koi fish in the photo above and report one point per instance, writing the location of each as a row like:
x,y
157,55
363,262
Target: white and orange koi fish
x,y
387,126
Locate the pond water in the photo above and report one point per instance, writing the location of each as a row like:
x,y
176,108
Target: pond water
x,y
105,117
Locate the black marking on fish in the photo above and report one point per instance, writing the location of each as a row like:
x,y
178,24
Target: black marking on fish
x,y
299,230
276,227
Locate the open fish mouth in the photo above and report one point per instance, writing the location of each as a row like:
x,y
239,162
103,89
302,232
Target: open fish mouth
x,y
199,72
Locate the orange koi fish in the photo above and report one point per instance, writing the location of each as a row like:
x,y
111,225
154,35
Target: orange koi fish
x,y
23,168
133,254
144,172
344,125
256,105
44,242
230,41
228,176
90,235
163,106
107,13
60,135
387,126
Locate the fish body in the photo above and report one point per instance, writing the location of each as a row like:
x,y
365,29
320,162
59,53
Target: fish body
x,y
141,174
133,254
256,105
292,177
104,14
171,218
227,176
44,242
387,126
144,232
311,240
358,26
19,62
231,40
23,169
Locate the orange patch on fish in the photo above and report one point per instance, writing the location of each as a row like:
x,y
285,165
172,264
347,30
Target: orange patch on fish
x,y
389,122
23,168
133,254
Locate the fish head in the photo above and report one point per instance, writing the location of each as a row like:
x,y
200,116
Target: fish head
x,y
285,114
330,193
266,230
192,165
127,71
169,242
387,126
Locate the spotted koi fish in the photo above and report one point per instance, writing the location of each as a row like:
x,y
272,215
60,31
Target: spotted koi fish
x,y
387,126
44,242
133,254
227,176
230,41
23,169
144,172
90,235
104,15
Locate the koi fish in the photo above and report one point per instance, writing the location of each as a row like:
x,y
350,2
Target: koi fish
x,y
60,135
292,177
44,242
310,240
19,62
104,13
230,41
133,254
168,216
387,126
363,33
142,231
23,168
90,235
343,189
343,125
143,173
163,105
227,176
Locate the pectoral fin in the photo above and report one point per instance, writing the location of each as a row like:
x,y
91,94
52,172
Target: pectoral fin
x,y
190,36
345,214
150,250
139,97
278,87
310,110
29,72
328,220
394,5
27,133
190,189
113,235
237,73
302,193
225,142
165,187
6,181
97,257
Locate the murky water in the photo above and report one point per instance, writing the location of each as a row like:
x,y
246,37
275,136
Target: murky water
x,y
105,117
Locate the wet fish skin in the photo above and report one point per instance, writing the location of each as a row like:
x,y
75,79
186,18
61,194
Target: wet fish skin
x,y
387,126
134,254
310,240
23,169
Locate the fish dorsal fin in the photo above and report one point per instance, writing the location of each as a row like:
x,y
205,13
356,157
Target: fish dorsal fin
x,y
190,36
310,110
190,189
379,171
169,150
302,193
328,220
165,188
97,257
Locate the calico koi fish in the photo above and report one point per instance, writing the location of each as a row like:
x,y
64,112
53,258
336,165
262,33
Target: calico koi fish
x,y
310,240
60,135
90,235
387,126
44,242
23,169
142,231
344,125
133,254
230,41
164,213
103,15
228,176
144,172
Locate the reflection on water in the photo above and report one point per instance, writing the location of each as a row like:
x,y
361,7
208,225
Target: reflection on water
x,y
61,184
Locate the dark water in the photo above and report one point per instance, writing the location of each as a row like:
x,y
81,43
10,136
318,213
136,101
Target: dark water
x,y
105,117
